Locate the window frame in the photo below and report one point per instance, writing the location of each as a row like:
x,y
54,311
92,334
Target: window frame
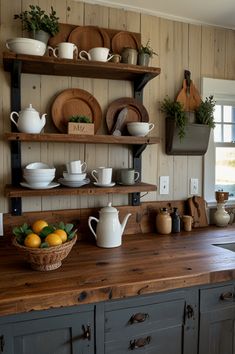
x,y
223,92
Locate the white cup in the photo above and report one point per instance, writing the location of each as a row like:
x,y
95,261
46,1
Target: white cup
x,y
64,50
98,54
76,166
102,175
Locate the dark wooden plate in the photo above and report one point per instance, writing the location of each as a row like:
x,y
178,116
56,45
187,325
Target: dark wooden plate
x,y
87,37
136,112
75,102
124,40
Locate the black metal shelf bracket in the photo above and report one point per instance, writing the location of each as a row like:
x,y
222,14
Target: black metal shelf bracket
x,y
137,151
16,172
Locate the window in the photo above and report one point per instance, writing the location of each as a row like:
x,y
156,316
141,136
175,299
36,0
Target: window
x,y
219,161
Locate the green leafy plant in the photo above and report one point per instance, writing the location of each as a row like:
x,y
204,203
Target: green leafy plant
x,y
80,119
36,19
204,114
147,49
175,110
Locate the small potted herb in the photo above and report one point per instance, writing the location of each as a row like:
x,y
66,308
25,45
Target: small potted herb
x,y
145,53
204,113
39,24
80,124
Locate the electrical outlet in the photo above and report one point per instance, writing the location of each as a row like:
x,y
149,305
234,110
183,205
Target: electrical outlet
x,y
193,186
1,224
164,184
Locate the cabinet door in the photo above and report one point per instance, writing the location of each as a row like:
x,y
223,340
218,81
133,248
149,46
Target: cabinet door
x,y
151,325
217,321
65,334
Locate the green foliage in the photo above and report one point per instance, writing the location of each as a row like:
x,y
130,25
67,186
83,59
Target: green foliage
x,y
37,19
147,49
21,232
204,114
80,119
175,110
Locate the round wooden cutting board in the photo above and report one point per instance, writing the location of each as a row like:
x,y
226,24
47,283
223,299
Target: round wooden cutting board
x,y
74,102
87,37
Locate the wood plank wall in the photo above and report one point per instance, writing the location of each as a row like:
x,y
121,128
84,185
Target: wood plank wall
x,y
204,50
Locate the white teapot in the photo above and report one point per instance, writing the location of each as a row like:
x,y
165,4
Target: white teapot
x,y
29,120
109,230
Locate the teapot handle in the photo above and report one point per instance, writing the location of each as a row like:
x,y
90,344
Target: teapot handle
x,y
89,223
12,119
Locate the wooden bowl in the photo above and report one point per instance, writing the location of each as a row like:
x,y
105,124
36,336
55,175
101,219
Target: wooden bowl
x,y
45,259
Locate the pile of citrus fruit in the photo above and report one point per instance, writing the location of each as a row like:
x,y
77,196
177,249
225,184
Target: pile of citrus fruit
x,y
42,235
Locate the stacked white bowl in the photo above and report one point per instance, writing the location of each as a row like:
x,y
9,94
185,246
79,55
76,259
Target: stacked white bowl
x,y
38,174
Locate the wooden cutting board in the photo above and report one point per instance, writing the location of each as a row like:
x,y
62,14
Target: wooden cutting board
x,y
189,96
197,209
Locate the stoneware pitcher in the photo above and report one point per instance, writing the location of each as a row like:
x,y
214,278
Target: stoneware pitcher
x,y
109,230
29,120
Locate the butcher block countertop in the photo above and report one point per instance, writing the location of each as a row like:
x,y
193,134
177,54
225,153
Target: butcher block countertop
x,y
144,264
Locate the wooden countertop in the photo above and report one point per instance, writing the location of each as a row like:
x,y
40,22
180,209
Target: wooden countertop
x,y
144,264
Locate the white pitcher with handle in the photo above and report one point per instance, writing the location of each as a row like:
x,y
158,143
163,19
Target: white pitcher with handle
x,y
109,230
29,120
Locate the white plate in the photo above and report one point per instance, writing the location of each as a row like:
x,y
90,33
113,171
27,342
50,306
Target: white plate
x,y
104,185
49,186
73,184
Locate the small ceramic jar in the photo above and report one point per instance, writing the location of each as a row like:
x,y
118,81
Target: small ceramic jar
x,y
163,222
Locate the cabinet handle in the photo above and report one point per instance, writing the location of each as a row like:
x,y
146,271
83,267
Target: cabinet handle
x,y
228,296
140,342
2,343
138,317
189,311
86,332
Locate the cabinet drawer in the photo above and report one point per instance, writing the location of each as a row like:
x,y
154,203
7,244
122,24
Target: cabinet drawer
x,y
136,320
217,297
166,341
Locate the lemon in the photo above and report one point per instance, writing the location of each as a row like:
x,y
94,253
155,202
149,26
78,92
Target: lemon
x,y
62,234
32,240
53,239
38,226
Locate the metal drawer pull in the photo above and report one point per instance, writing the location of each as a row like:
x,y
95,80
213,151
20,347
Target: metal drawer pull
x,y
86,332
138,317
138,343
2,343
229,296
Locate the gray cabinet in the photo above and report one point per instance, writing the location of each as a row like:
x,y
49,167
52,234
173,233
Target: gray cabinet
x,y
48,332
159,324
217,320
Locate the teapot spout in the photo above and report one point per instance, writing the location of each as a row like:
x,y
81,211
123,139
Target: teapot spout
x,y
43,120
123,225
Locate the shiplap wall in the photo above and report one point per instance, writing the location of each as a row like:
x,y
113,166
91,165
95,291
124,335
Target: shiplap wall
x,y
205,51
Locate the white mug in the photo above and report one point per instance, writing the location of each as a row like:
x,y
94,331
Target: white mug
x,y
76,166
97,54
64,50
102,175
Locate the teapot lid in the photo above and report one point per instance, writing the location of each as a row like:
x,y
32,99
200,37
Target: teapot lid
x,y
108,209
30,108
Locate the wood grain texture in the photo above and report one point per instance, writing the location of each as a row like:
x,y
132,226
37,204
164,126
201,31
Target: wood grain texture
x,y
90,274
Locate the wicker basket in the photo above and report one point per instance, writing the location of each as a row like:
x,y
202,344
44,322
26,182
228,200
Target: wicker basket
x,y
45,259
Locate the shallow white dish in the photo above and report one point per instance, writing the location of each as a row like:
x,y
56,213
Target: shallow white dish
x,y
74,177
26,46
73,184
49,186
104,185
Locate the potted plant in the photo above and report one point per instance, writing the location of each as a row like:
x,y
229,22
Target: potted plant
x,y
145,52
182,137
39,24
80,124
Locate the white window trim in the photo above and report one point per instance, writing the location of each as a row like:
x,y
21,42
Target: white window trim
x,y
223,92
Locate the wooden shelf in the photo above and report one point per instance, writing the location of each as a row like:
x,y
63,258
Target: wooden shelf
x,y
83,139
89,189
45,65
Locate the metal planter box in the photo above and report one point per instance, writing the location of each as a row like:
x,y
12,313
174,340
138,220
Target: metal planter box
x,y
195,141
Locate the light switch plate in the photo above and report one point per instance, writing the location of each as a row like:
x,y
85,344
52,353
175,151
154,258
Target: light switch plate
x,y
193,186
164,184
1,224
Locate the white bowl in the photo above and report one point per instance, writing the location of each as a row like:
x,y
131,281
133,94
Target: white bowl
x,y
26,46
44,180
74,176
37,165
139,128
